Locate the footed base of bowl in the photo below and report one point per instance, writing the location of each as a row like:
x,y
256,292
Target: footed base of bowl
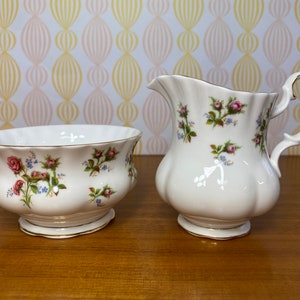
x,y
66,232
214,233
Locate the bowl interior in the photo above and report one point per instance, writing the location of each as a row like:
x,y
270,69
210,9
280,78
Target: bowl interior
x,y
65,135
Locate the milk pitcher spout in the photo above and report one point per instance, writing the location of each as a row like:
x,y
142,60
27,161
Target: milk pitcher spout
x,y
217,172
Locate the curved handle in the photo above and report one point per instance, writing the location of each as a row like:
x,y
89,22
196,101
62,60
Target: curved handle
x,y
281,105
287,95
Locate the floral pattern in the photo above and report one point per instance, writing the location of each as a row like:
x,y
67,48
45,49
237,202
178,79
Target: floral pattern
x,y
97,195
227,148
221,115
32,181
221,112
99,159
259,137
99,162
185,126
132,172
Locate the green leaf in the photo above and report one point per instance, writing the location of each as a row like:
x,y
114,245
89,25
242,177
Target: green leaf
x,y
26,177
212,114
91,162
62,186
34,189
54,181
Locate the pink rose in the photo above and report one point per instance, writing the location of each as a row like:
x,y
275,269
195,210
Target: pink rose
x,y
35,174
15,164
236,106
230,149
218,105
18,186
181,124
111,154
183,112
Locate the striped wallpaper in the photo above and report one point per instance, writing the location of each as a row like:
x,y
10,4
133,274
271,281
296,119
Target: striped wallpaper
x,y
89,61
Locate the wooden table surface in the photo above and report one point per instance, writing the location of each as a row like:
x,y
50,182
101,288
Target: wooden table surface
x,y
145,254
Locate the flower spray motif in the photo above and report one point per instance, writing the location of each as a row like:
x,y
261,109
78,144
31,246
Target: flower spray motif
x,y
96,194
132,172
220,113
185,131
98,161
34,182
94,166
228,148
262,122
51,164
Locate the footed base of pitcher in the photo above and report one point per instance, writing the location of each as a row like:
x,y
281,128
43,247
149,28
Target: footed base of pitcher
x,y
66,232
214,233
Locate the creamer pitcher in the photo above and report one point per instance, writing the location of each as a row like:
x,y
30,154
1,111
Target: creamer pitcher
x,y
217,173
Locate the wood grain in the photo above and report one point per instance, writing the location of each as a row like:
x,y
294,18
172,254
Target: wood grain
x,y
144,254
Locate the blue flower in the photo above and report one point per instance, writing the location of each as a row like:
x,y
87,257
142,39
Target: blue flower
x,y
10,192
180,135
228,121
28,163
98,201
104,167
222,158
259,120
42,190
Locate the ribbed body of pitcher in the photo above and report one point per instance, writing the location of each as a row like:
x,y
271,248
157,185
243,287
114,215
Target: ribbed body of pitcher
x,y
217,172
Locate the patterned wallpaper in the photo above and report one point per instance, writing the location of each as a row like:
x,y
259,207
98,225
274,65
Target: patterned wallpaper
x,y
89,61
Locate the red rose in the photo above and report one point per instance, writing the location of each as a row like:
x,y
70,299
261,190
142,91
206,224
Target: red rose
x,y
107,192
15,164
18,186
44,176
51,163
97,153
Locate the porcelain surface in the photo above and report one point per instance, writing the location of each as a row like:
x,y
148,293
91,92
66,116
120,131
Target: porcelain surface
x,y
63,180
217,173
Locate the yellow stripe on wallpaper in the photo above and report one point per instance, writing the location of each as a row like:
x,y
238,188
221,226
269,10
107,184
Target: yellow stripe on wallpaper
x,y
10,73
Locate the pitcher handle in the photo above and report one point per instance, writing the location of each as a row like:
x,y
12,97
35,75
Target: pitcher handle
x,y
281,105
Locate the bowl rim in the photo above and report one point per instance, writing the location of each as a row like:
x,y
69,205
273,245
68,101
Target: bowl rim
x,y
136,134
